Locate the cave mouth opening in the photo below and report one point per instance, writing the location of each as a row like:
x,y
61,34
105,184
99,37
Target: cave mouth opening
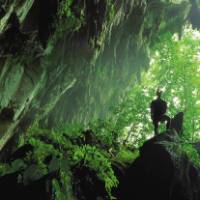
x,y
174,68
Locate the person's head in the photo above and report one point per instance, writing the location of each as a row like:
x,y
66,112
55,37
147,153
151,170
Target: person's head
x,y
158,93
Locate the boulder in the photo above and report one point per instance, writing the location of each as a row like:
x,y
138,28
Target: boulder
x,y
156,175
11,188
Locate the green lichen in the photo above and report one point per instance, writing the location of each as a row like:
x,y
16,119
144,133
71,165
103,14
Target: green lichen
x,y
74,21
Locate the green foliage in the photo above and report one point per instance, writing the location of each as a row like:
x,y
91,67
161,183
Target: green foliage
x,y
175,69
126,156
63,188
4,168
106,132
67,149
41,152
74,21
179,147
14,166
97,160
65,8
110,9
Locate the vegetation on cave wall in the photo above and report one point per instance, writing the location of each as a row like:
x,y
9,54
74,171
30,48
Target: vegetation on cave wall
x,y
115,51
77,58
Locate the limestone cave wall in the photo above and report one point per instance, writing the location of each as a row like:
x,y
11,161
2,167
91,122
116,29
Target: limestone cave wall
x,y
70,61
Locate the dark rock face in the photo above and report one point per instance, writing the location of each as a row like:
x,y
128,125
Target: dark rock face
x,y
177,123
7,114
2,12
14,185
87,186
10,188
154,175
47,13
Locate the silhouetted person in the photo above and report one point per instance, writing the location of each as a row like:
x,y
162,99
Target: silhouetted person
x,y
158,110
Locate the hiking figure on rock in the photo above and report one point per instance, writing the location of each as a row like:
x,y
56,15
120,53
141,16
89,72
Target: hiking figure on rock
x,y
158,110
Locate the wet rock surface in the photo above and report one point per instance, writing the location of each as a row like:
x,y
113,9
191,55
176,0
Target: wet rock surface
x,y
11,188
156,175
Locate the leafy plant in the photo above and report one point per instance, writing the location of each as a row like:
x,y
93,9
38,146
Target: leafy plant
x,y
75,17
64,149
98,161
178,147
175,69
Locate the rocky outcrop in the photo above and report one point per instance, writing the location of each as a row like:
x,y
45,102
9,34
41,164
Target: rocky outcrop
x,y
62,61
40,189
161,174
